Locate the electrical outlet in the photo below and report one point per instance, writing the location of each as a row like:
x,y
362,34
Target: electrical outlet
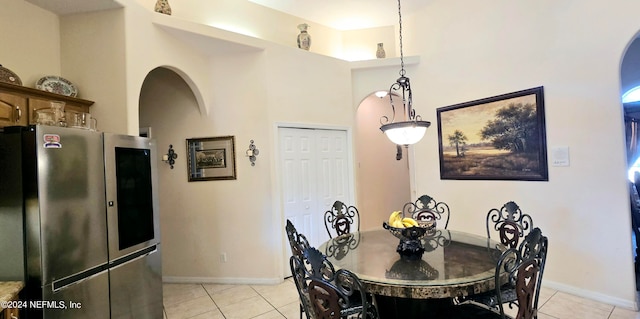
x,y
223,257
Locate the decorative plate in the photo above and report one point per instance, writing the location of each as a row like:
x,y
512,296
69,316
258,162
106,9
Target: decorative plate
x,y
58,85
8,76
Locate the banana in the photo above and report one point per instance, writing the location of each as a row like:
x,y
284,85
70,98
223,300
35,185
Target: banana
x,y
398,223
409,222
395,216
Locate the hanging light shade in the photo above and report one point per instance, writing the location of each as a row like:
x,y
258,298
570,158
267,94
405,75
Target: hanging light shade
x,y
405,133
412,128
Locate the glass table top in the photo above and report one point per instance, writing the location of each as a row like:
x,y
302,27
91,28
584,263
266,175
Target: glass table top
x,y
463,263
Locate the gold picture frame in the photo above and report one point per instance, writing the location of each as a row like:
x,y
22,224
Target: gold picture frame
x,y
211,158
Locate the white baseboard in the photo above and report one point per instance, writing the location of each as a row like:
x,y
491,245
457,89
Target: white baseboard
x,y
222,280
623,303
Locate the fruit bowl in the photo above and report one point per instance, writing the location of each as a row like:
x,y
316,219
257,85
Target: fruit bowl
x,y
423,229
410,246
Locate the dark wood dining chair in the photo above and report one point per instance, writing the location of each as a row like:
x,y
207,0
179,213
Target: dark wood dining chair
x,y
523,269
427,208
341,219
336,294
510,223
301,277
298,243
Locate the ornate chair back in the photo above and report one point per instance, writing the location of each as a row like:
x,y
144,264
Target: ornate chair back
x,y
426,208
510,223
341,219
336,294
524,268
301,277
297,241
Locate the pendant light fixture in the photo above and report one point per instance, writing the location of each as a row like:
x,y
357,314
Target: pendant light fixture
x,y
412,128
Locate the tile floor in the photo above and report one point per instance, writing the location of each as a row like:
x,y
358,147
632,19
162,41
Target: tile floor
x,y
212,301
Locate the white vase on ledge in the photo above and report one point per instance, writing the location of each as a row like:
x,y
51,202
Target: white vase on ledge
x,y
162,6
380,54
304,39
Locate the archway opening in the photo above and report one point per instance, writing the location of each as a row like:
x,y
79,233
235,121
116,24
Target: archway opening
x,y
630,97
168,108
383,174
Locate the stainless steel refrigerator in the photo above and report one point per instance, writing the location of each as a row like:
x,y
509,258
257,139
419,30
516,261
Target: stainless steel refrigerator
x,y
79,209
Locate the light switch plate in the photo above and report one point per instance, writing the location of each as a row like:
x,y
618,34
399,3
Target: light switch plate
x,y
560,156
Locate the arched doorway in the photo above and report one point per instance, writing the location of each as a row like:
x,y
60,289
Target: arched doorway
x,y
630,96
382,176
167,106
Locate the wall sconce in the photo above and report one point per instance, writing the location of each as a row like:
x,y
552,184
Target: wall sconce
x,y
170,157
252,152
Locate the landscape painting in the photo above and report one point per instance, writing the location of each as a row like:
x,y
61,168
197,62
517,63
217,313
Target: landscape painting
x,y
496,138
210,158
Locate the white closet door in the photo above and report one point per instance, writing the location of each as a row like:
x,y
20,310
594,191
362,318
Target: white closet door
x,y
299,181
315,173
333,170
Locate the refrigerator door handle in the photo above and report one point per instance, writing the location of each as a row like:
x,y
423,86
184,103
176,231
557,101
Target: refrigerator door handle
x,y
133,256
78,278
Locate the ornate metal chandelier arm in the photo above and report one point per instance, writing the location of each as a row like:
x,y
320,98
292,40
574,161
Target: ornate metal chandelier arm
x,y
385,119
411,128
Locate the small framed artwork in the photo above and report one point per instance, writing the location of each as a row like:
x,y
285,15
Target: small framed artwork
x,y
211,158
496,138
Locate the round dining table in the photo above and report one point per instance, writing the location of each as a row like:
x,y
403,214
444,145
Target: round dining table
x,y
454,264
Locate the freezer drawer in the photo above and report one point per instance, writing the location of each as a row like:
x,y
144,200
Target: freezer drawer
x,y
136,285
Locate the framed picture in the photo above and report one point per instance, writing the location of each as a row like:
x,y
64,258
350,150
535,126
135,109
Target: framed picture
x,y
211,158
496,138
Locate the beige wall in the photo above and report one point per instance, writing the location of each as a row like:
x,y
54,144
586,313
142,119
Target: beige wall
x,y
202,220
30,42
250,19
468,51
573,49
362,44
277,27
93,57
247,92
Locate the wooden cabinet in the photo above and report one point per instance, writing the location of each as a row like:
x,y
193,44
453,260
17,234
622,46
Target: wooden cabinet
x,y
18,103
9,300
11,313
13,109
